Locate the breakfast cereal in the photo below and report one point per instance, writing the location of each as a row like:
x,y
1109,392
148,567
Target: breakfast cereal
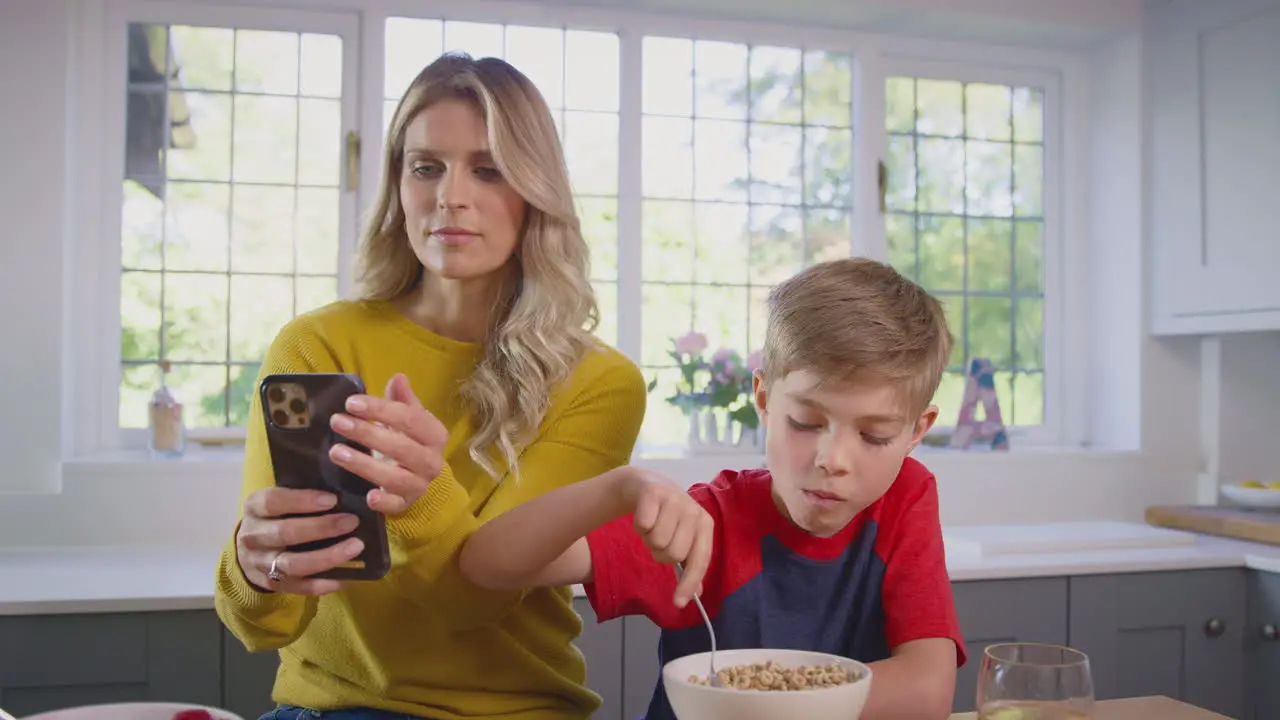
x,y
773,676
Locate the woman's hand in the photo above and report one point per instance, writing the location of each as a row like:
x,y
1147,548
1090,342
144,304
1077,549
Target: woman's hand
x,y
410,439
674,526
264,537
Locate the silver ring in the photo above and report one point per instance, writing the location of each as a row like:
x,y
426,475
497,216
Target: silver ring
x,y
273,573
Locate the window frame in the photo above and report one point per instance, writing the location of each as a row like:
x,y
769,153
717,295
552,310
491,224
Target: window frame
x,y
104,374
1053,431
95,265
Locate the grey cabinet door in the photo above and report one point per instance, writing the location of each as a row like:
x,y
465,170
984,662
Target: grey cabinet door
x,y
247,678
1262,646
56,661
601,645
640,665
997,611
1179,634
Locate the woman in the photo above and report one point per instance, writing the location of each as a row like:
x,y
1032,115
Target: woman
x,y
475,315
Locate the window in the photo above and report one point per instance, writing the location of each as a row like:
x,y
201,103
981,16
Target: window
x,y
236,212
577,72
232,213
965,201
745,180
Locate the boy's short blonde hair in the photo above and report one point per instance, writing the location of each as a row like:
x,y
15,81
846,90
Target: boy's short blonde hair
x,y
858,321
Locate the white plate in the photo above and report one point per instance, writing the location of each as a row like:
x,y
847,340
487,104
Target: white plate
x,y
1261,498
129,711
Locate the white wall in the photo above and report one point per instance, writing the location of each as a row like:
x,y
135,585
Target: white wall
x,y
1250,394
35,63
1144,390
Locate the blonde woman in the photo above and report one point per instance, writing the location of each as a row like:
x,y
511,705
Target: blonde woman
x,y
476,316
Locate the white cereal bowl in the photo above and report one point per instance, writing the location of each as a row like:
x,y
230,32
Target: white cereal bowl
x,y
691,701
129,711
1251,497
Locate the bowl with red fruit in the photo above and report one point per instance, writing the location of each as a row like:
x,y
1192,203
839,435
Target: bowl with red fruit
x,y
137,711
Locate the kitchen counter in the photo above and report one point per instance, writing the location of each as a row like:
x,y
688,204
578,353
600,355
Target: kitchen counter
x,y
1143,708
136,579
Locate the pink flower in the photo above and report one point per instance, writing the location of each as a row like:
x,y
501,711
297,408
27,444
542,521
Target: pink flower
x,y
691,343
755,361
722,355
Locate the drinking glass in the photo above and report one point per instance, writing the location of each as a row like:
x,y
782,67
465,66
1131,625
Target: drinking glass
x,y
1034,681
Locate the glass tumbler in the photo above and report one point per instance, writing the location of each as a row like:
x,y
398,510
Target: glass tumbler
x,y
1034,681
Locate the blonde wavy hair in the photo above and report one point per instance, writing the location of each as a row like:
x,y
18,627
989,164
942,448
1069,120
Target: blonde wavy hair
x,y
545,316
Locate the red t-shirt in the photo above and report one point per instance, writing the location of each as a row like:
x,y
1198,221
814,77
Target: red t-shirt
x,y
880,582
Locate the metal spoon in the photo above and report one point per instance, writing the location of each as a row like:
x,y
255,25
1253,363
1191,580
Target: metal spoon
x,y
715,676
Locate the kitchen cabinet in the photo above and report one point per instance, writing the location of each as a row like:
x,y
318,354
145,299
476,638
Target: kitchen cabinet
x,y
50,661
640,665
602,646
247,678
998,611
1200,635
1214,111
1262,647
1179,634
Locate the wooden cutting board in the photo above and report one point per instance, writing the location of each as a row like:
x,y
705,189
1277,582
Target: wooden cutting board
x,y
1257,525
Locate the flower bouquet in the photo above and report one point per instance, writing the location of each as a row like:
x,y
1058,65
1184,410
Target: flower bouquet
x,y
715,395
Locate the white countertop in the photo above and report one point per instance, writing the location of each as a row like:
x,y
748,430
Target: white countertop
x,y
134,579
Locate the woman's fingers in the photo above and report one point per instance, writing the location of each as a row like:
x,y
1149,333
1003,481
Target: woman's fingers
x,y
296,566
273,502
409,418
394,444
386,503
391,478
279,534
264,538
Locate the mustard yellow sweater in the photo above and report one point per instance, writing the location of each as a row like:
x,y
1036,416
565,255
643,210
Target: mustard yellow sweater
x,y
423,640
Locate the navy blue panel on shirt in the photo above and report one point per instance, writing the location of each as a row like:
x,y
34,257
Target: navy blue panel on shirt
x,y
832,606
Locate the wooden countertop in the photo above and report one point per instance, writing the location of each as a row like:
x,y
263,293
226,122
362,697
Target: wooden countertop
x,y
1143,708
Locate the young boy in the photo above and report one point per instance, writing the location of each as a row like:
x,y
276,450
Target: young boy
x,y
835,548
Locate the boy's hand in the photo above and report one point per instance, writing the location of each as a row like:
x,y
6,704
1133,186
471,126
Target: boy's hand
x,y
674,527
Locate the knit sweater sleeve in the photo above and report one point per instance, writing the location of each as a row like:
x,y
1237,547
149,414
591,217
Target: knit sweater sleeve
x,y
595,432
265,620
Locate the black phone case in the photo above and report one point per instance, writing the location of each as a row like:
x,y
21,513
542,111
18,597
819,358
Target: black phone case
x,y
300,459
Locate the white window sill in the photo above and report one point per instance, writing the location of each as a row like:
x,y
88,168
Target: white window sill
x,y
128,498
202,461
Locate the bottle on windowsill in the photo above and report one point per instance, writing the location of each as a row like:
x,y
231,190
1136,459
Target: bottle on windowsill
x,y
167,436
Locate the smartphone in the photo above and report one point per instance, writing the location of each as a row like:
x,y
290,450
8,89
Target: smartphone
x,y
296,409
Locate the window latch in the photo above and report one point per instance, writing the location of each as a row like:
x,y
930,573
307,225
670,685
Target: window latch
x,y
353,160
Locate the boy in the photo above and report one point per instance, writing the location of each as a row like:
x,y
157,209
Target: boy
x,y
835,548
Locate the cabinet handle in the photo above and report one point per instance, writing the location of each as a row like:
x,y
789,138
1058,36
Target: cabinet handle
x,y
1269,632
1214,627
